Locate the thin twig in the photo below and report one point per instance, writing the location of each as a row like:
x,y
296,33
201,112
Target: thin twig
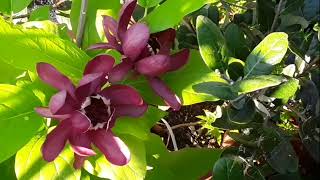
x,y
276,16
184,125
173,138
82,21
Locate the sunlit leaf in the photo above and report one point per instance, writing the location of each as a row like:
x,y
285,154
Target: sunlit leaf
x,y
18,121
14,6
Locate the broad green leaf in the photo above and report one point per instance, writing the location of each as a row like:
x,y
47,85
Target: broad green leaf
x,y
93,30
286,90
139,127
29,164
239,116
235,68
14,6
268,53
148,3
134,170
40,14
211,42
182,82
228,168
18,121
7,169
256,83
171,12
283,158
23,48
177,164
236,41
218,90
11,73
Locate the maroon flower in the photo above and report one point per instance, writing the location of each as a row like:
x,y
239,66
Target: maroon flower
x,y
151,60
87,112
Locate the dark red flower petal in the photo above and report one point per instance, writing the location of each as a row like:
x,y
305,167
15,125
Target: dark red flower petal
x,y
104,46
53,77
135,40
122,94
55,141
179,59
119,72
81,144
78,161
89,84
45,112
100,64
110,30
80,123
62,103
153,65
125,16
165,40
130,110
115,150
170,98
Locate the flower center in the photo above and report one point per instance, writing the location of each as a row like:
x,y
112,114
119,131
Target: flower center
x,y
98,110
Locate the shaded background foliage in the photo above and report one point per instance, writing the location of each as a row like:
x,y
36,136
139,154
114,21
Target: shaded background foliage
x,y
254,63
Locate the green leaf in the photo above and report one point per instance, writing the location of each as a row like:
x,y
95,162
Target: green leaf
x,y
235,68
40,14
283,158
286,90
174,10
18,121
148,3
228,168
8,6
256,83
93,30
30,165
10,73
268,53
211,43
182,82
7,169
23,48
139,127
216,89
311,9
134,170
177,164
239,116
236,41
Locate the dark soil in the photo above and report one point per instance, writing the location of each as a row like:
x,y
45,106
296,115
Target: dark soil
x,y
187,136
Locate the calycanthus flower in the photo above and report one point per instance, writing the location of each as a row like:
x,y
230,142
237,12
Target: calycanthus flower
x,y
87,112
145,54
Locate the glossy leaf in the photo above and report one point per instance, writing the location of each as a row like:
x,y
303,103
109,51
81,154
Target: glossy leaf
x,y
93,30
216,89
8,6
30,165
135,169
268,53
239,116
211,43
40,14
236,41
175,10
18,121
228,168
256,83
148,3
283,158
286,90
36,45
173,165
